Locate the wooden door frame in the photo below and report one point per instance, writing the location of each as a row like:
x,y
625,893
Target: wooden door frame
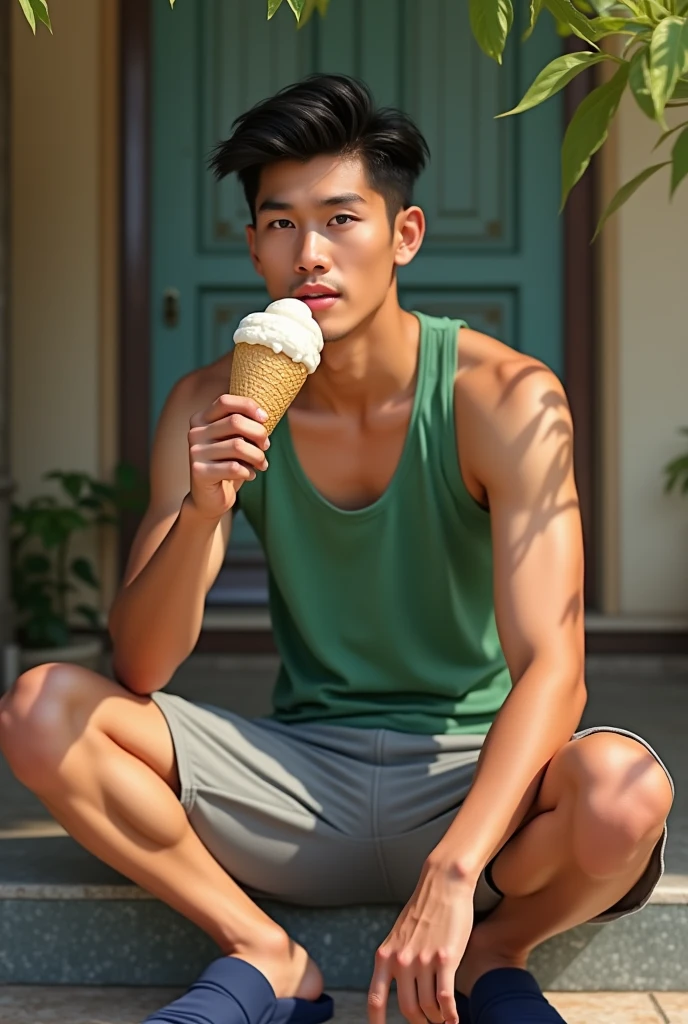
x,y
581,342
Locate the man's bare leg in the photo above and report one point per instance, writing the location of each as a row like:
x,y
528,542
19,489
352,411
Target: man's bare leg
x,y
102,761
601,810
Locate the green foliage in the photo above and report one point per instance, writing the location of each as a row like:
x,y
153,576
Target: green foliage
x,y
676,471
491,24
653,65
41,531
589,128
36,9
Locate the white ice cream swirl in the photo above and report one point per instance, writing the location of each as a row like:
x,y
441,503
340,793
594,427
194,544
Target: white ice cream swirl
x,y
286,325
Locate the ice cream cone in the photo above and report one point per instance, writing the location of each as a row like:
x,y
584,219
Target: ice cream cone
x,y
272,379
274,351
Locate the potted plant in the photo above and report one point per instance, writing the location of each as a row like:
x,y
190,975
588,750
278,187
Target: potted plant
x,y
48,625
676,471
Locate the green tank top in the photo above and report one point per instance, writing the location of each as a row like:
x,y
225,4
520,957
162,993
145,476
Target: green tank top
x,y
384,616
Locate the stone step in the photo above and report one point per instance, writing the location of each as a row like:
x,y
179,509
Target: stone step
x,y
117,934
47,1005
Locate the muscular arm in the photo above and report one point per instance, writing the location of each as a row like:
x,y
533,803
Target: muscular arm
x,y
522,449
156,617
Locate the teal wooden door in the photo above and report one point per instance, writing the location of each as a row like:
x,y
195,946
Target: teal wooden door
x,y
493,249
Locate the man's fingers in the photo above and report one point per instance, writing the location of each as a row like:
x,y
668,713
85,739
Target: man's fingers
x,y
445,993
378,993
225,405
407,995
427,984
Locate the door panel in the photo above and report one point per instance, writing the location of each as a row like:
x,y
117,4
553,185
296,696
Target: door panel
x,y
493,250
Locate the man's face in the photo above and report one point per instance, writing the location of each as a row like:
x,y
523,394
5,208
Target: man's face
x,y
322,234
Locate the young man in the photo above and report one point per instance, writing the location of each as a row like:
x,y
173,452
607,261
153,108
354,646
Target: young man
x,y
420,520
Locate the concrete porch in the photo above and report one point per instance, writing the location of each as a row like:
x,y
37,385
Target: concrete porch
x,y
68,919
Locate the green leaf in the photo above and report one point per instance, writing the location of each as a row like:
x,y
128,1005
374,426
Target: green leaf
x,y
653,9
40,9
679,160
564,11
72,483
90,614
618,26
675,470
172,3
639,81
491,22
36,564
311,6
667,134
36,9
626,191
28,12
668,54
680,90
535,11
555,76
83,569
273,7
297,7
589,128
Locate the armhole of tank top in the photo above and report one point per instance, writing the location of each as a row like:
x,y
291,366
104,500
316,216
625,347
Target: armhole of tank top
x,y
453,464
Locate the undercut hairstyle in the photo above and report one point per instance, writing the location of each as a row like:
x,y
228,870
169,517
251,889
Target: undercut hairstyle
x,y
322,115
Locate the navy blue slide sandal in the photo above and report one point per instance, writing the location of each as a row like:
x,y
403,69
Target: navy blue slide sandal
x,y
463,1008
510,995
233,991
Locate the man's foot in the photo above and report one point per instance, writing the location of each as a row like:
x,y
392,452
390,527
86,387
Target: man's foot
x,y
483,955
286,965
233,991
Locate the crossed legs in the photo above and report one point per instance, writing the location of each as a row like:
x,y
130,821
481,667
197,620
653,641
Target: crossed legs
x,y
102,761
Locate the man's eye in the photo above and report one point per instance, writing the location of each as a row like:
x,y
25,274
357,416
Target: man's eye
x,y
281,223
342,217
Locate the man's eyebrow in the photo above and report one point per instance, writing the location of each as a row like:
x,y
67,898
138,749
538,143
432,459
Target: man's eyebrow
x,y
345,199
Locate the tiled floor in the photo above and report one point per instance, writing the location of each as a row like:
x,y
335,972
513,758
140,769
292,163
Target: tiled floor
x,y
128,1006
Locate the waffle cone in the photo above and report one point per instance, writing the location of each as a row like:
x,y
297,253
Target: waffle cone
x,y
272,379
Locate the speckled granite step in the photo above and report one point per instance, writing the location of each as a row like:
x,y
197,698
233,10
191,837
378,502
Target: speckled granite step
x,y
116,934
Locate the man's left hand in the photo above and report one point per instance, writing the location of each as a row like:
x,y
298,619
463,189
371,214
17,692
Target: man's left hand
x,y
424,950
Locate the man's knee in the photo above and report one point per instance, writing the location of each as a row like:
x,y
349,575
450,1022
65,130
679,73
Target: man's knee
x,y
623,797
37,717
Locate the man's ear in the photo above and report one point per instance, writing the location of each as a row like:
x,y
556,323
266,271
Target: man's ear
x,y
409,231
251,242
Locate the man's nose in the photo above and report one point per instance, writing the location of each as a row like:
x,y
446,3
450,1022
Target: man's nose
x,y
313,253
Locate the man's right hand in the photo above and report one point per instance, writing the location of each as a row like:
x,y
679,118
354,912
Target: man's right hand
x,y
227,442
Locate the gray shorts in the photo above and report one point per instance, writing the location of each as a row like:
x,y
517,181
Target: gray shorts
x,y
328,815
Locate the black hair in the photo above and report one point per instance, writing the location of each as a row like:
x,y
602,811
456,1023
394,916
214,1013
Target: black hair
x,y
324,114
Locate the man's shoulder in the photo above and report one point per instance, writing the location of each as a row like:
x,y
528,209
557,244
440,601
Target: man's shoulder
x,y
496,382
503,400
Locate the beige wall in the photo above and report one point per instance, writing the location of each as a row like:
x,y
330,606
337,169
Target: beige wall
x,y
652,384
61,300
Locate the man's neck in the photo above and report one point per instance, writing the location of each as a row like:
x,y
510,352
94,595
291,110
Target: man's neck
x,y
368,368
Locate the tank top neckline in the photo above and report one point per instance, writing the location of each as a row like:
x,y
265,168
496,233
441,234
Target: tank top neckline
x,y
404,459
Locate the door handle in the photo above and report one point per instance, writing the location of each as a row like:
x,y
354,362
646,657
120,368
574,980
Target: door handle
x,y
170,307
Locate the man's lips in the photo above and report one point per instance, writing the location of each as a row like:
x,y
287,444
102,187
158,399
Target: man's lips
x,y
317,298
